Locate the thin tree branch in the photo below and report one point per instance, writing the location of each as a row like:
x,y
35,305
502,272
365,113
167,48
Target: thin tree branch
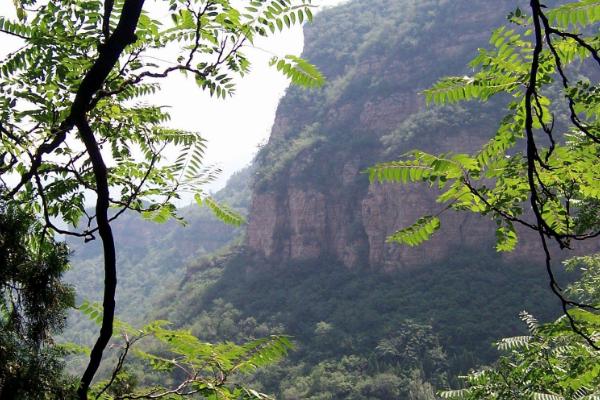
x,y
108,244
14,34
120,362
108,7
548,30
544,230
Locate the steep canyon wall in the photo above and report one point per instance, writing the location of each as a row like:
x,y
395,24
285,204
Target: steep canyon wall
x,y
311,198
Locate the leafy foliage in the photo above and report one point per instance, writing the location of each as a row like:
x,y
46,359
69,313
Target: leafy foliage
x,y
210,36
162,252
222,212
582,13
210,370
339,317
552,362
417,233
299,71
587,288
87,66
550,186
33,306
558,177
363,49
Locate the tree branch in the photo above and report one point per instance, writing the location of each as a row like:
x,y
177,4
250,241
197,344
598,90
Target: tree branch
x,y
544,230
108,244
123,35
108,7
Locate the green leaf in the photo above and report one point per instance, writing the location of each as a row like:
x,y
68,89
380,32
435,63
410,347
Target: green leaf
x,y
221,211
506,238
454,394
514,343
417,233
299,71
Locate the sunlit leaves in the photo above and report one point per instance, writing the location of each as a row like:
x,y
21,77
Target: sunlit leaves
x,y
454,394
88,65
502,69
587,288
299,71
452,90
554,172
552,361
423,167
417,233
60,43
580,13
160,214
500,179
515,342
208,369
15,28
221,211
400,171
92,311
506,238
276,15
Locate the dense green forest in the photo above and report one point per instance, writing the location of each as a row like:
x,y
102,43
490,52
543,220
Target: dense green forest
x,y
439,320
352,266
402,333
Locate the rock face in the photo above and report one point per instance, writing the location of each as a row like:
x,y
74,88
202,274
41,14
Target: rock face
x,y
311,200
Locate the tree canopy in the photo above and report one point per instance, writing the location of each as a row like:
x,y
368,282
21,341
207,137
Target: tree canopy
x,y
74,127
73,124
539,171
33,306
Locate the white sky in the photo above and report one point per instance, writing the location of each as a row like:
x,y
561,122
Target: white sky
x,y
233,127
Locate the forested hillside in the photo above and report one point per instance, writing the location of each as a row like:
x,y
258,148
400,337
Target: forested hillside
x,y
422,222
152,257
371,320
311,198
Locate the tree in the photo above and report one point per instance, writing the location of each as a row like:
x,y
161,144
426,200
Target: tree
x,y
33,306
539,171
70,129
552,362
199,368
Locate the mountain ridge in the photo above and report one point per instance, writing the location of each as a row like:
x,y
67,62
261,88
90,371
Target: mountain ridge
x,y
314,263
310,198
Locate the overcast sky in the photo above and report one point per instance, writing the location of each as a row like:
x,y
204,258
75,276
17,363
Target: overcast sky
x,y
236,126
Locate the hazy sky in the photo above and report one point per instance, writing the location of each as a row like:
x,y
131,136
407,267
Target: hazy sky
x,y
236,126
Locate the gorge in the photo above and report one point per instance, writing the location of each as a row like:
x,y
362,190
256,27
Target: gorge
x,y
371,319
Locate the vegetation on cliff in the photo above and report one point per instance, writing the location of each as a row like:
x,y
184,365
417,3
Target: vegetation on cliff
x,y
366,320
538,172
73,127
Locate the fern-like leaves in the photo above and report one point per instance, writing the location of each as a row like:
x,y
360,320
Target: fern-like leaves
x,y
546,396
581,13
454,394
400,172
300,71
515,342
221,211
417,233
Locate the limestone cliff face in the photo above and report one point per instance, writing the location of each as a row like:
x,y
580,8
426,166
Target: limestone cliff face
x,y
310,199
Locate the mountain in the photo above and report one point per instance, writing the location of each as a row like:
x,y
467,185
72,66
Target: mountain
x,y
371,320
310,198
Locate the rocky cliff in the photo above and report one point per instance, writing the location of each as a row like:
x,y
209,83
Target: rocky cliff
x,y
310,198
